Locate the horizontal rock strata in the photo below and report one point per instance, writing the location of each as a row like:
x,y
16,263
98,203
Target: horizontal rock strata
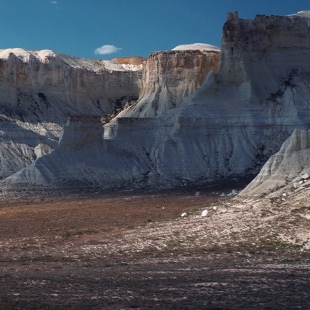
x,y
229,126
170,76
39,89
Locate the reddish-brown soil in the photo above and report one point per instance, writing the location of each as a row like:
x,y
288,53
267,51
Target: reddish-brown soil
x,y
72,253
82,215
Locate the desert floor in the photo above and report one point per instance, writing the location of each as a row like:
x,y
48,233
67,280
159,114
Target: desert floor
x,y
136,251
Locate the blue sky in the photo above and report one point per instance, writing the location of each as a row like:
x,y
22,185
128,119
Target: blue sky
x,y
104,29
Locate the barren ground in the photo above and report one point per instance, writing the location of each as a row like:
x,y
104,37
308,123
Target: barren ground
x,y
135,251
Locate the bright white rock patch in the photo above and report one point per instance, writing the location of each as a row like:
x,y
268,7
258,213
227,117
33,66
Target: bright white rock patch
x,y
204,213
196,46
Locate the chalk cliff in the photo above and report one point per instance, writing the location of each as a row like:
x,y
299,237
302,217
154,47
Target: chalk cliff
x,y
259,96
228,127
39,89
170,76
43,85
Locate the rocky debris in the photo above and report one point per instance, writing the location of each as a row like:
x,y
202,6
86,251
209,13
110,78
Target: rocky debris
x,y
71,254
281,191
305,177
204,213
41,150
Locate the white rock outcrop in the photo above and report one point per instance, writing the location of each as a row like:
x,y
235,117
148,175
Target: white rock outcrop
x,y
170,76
229,126
39,89
43,85
197,47
288,169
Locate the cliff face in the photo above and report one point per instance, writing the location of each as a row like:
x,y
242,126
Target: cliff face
x,y
170,76
229,126
260,94
272,47
43,85
39,89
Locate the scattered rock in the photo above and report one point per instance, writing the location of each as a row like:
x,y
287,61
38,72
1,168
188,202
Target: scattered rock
x,y
204,213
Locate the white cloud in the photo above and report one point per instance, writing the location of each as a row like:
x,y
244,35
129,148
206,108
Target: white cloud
x,y
107,49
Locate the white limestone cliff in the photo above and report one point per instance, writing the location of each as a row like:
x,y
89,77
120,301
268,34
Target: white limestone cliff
x,y
39,89
43,85
228,127
170,76
259,96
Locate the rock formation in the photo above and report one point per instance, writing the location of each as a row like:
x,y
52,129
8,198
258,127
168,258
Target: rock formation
x,y
43,85
228,127
39,89
288,170
258,97
84,158
170,76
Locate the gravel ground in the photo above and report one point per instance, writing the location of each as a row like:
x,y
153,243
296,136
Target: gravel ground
x,y
136,251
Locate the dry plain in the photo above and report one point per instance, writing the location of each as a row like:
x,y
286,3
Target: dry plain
x,y
135,251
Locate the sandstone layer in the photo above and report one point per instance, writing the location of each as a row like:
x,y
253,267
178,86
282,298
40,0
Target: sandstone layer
x,y
136,60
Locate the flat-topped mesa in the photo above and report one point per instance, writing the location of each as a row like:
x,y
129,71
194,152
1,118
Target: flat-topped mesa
x,y
246,43
169,76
